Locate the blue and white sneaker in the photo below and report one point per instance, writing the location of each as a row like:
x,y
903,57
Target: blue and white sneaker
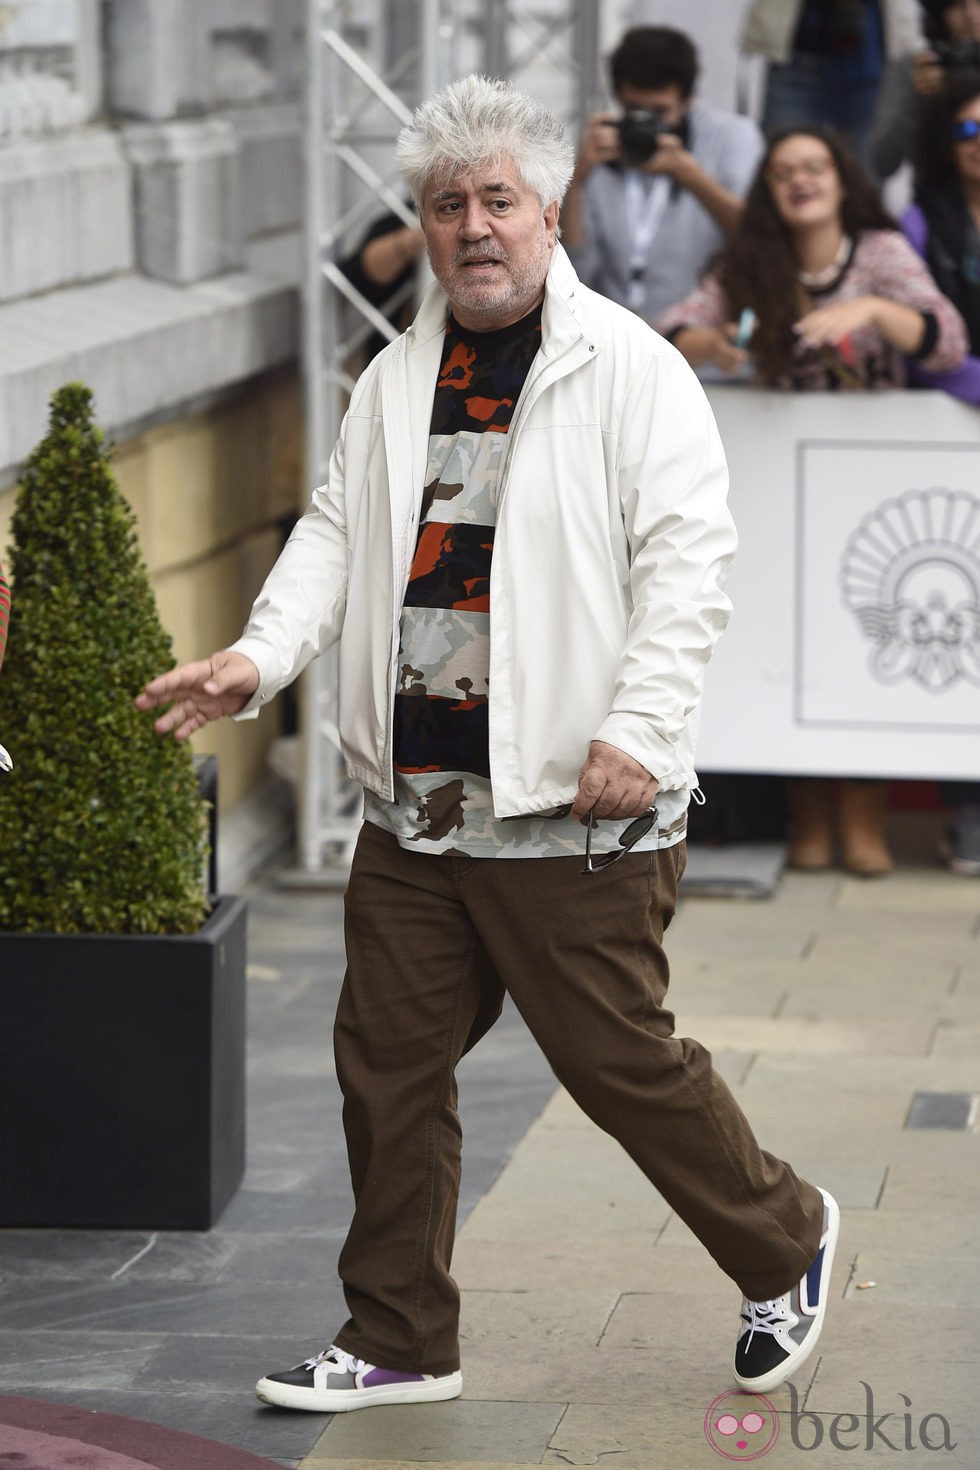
x,y
333,1381
776,1337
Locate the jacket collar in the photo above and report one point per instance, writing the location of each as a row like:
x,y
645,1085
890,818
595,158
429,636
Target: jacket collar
x,y
560,327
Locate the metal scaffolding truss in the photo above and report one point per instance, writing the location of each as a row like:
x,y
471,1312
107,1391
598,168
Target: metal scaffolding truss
x,y
369,63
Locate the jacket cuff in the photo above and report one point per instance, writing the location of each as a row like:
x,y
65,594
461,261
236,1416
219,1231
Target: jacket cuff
x,y
930,337
269,676
654,753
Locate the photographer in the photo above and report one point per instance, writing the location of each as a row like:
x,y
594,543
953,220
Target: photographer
x,y
952,30
657,190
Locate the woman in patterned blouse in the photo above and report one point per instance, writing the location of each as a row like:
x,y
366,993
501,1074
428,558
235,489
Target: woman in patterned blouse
x,y
840,299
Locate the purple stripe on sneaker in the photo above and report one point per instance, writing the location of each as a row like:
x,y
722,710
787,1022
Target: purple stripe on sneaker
x,y
379,1376
813,1279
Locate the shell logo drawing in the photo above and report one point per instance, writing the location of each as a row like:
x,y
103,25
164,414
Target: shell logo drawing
x,y
910,573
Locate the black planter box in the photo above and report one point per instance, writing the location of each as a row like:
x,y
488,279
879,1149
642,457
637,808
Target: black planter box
x,y
122,1076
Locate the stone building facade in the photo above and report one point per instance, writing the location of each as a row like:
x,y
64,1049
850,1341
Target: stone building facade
x,y
151,194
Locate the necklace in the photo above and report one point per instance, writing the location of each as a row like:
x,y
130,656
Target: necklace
x,y
832,271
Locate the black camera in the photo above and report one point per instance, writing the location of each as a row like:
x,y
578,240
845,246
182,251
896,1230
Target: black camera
x,y
954,55
640,133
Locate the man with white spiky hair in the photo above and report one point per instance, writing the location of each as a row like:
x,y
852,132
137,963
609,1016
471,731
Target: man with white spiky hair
x,y
521,549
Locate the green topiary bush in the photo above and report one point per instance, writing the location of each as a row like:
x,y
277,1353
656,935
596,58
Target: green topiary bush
x,y
102,825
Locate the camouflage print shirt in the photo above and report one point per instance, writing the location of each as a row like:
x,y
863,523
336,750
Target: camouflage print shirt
x,y
443,798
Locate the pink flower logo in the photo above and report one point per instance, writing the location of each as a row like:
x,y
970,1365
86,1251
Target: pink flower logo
x,y
741,1426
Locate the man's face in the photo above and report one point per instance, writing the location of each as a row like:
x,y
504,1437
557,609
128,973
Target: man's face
x,y
962,20
489,244
667,102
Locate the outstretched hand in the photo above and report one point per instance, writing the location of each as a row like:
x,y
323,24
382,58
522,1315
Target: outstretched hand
x,y
200,692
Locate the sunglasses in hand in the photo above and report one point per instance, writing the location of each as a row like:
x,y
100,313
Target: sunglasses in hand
x,y
628,839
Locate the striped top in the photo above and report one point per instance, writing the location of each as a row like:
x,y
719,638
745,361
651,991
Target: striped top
x,y
443,797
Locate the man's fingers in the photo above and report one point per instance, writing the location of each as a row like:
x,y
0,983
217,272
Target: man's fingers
x,y
598,794
184,720
591,783
174,684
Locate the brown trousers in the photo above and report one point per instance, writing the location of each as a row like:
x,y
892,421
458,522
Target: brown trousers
x,y
433,943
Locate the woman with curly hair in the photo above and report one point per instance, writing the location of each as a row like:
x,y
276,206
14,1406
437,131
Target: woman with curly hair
x,y
836,298
943,224
840,299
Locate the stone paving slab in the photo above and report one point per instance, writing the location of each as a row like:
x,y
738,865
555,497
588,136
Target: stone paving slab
x,y
564,1222
541,1265
794,944
605,1171
506,1318
729,981
916,1176
956,1043
679,1369
832,997
925,893
881,1343
925,1277
810,1036
856,953
287,1309
44,1360
459,1432
561,1110
798,1079
643,1439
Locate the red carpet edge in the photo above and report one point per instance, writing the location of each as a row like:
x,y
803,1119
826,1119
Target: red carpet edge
x,y
152,1444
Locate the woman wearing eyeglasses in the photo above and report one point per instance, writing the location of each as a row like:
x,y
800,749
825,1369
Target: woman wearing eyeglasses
x,y
818,289
837,297
943,224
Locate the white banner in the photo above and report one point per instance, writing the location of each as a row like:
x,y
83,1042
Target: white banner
x,y
854,647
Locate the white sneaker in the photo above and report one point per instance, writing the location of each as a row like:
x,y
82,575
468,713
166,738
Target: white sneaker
x,y
333,1381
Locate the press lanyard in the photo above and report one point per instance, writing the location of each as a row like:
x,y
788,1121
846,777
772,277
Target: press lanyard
x,y
646,204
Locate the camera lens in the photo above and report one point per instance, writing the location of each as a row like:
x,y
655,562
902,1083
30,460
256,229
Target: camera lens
x,y
639,134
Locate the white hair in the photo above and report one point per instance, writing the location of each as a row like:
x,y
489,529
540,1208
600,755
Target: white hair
x,y
472,124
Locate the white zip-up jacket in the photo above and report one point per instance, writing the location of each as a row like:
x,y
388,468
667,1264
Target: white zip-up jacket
x,y
611,547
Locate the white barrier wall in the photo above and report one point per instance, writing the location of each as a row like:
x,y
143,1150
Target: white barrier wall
x,y
854,647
